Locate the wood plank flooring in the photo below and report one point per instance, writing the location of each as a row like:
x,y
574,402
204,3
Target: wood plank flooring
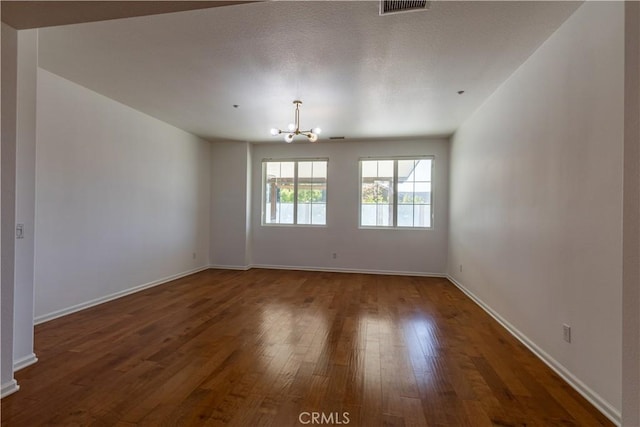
x,y
283,348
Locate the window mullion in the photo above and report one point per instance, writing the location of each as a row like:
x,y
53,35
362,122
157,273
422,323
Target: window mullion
x,y
395,193
431,194
295,193
311,196
263,219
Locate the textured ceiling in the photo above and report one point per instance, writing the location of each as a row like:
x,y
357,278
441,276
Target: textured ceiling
x,y
358,74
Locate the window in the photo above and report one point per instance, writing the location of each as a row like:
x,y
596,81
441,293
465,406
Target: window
x,y
396,192
294,192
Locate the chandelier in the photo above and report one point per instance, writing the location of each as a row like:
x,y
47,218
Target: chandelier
x,y
294,128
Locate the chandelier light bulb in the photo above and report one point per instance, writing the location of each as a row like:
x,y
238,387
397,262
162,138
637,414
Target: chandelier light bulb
x,y
294,128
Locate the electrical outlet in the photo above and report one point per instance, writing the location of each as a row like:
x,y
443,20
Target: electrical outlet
x,y
19,231
334,255
566,331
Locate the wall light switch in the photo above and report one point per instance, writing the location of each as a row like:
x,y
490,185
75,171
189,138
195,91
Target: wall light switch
x,y
566,331
20,231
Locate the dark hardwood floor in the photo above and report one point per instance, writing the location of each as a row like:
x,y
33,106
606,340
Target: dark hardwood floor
x,y
267,347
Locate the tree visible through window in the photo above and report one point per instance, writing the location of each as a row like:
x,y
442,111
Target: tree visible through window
x,y
295,192
377,182
396,192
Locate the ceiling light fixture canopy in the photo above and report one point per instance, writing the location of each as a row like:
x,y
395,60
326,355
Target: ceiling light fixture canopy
x,y
294,128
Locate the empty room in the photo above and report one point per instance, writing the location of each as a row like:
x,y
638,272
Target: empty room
x,y
289,213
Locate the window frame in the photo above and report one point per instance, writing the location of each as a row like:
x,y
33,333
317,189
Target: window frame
x,y
263,203
395,160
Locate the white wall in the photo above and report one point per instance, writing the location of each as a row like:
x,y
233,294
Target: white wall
x,y
8,204
122,199
230,212
25,197
536,200
631,222
393,251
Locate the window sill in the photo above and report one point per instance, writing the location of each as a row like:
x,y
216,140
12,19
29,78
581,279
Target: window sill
x,y
295,225
371,227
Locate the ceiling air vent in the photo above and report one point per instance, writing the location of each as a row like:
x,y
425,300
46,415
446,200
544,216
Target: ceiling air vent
x,y
396,6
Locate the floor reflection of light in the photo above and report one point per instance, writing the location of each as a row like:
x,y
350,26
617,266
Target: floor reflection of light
x,y
374,335
388,351
365,346
421,334
287,336
422,345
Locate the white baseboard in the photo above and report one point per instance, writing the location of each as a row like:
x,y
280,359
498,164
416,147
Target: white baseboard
x,y
8,388
338,270
230,267
63,312
594,398
25,361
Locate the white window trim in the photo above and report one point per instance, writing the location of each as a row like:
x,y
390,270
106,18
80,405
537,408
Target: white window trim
x,y
295,192
395,193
